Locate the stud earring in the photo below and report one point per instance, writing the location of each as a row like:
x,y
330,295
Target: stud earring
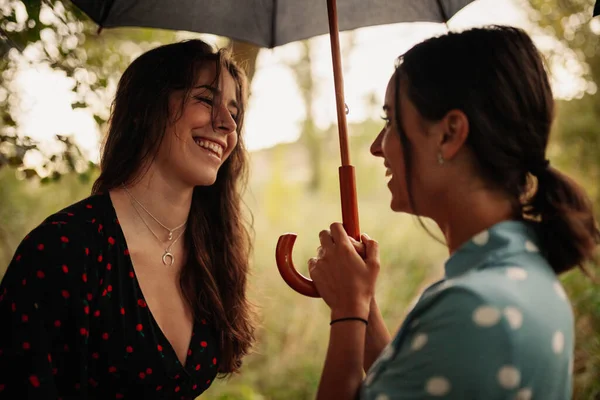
x,y
440,158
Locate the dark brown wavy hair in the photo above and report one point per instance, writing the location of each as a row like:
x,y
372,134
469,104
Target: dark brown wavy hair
x,y
214,279
497,77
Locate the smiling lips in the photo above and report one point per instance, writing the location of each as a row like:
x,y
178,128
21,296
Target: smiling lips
x,y
213,147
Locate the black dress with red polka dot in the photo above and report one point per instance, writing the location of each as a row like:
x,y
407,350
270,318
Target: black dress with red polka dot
x,y
74,323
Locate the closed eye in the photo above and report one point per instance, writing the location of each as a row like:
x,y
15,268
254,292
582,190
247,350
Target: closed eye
x,y
206,100
386,119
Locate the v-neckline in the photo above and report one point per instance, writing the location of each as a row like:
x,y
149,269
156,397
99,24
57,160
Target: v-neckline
x,y
171,349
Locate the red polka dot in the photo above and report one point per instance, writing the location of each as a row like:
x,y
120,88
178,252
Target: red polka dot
x,y
84,277
126,252
104,292
99,225
142,303
105,336
97,313
109,288
112,369
40,274
197,367
95,356
24,318
111,240
40,246
214,361
158,388
88,206
108,266
17,257
189,352
194,387
54,371
89,297
129,349
208,381
24,282
70,214
86,309
35,382
142,375
139,327
159,347
177,376
92,382
64,239
65,269
57,323
122,311
177,389
26,346
49,357
149,371
87,251
83,331
65,294
100,258
13,306
203,344
131,274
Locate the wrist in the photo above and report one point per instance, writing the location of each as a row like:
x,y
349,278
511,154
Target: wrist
x,y
351,311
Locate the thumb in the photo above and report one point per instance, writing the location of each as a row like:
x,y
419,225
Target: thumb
x,y
371,249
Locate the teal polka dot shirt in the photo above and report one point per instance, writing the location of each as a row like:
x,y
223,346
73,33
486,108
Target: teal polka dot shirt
x,y
498,326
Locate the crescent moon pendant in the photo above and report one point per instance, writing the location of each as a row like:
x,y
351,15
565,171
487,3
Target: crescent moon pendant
x,y
168,256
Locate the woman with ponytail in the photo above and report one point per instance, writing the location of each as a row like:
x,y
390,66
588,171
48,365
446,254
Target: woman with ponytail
x,y
467,121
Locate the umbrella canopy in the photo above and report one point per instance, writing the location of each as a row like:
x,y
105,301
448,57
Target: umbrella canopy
x,y
265,23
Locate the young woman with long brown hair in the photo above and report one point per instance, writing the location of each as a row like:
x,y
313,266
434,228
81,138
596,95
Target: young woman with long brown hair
x,y
139,291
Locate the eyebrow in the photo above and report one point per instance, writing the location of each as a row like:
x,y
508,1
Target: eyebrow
x,y
216,91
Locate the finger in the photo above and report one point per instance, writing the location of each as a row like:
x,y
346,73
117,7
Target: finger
x,y
312,264
339,234
371,248
359,247
325,238
320,251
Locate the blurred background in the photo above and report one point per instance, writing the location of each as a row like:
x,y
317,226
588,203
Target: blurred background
x,y
57,80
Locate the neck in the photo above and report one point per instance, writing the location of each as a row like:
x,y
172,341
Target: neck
x,y
167,202
467,215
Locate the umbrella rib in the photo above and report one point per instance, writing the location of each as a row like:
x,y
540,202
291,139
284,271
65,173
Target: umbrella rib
x,y
274,25
443,13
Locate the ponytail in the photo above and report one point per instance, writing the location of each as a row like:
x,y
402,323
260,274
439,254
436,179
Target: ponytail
x,y
564,219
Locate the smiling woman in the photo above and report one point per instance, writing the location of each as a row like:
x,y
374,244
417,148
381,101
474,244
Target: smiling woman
x,y
139,291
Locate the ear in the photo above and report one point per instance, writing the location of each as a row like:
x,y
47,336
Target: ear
x,y
455,130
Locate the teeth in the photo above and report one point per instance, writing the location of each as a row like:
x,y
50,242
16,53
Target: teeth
x,y
212,146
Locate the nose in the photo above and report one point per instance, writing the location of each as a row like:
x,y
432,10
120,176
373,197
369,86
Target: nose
x,y
224,122
376,145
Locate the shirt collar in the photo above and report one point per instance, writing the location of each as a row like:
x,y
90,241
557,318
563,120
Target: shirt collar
x,y
492,244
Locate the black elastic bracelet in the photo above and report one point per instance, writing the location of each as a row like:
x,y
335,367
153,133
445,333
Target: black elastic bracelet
x,y
349,319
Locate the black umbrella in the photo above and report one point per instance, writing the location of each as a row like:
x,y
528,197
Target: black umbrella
x,y
270,23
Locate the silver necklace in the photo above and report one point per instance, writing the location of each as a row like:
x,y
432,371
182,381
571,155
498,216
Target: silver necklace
x,y
153,217
167,255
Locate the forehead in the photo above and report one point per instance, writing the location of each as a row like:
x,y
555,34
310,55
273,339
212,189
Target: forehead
x,y
226,84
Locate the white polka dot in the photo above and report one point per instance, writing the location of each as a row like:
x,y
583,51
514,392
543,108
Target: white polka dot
x,y
486,316
369,379
509,377
558,342
387,353
514,317
481,238
530,246
382,396
419,341
560,291
437,386
516,273
524,394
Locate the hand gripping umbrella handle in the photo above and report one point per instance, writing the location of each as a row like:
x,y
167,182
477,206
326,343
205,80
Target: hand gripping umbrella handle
x,y
285,244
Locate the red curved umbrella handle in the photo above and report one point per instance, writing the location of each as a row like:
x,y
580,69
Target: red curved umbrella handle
x,y
285,244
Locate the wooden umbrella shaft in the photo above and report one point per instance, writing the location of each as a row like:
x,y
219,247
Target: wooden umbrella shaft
x,y
347,175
